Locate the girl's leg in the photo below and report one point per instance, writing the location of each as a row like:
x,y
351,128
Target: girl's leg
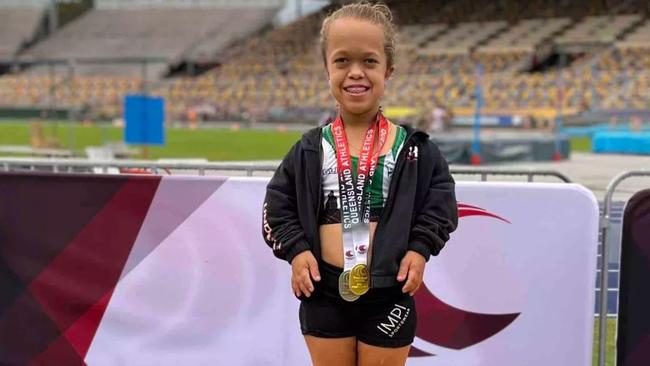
x,y
371,355
332,351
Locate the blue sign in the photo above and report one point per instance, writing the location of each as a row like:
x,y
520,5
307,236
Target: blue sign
x,y
476,142
145,120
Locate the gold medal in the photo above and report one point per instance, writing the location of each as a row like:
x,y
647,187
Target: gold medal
x,y
344,287
359,279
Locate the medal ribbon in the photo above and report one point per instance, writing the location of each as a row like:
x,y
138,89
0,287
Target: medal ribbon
x,y
355,198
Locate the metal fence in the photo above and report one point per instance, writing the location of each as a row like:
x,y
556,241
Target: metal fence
x,y
249,168
604,257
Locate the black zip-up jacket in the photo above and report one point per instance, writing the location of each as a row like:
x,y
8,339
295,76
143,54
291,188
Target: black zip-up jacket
x,y
419,214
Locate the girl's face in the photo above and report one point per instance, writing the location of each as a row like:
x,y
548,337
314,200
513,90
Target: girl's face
x,y
356,65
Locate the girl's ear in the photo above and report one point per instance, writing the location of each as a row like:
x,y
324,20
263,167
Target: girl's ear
x,y
389,72
329,80
327,72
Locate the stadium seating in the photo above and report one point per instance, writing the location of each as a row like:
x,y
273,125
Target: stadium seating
x,y
635,93
414,35
292,76
626,58
598,29
421,79
17,25
628,69
640,37
239,25
525,36
162,33
282,70
103,94
462,38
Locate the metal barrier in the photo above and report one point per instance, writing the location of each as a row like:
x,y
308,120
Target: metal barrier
x,y
529,173
604,257
87,166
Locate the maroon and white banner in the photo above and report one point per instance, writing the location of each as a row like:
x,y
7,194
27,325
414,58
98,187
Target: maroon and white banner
x,y
106,270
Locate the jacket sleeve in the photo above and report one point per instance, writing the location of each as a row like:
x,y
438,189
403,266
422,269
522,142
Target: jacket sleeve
x,y
281,226
438,216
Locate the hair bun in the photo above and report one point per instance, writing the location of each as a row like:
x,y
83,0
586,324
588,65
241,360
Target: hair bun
x,y
384,10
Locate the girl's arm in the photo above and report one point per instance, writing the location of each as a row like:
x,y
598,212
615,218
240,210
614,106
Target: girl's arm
x,y
281,226
438,213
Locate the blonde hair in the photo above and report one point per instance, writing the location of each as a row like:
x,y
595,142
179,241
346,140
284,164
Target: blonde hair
x,y
374,13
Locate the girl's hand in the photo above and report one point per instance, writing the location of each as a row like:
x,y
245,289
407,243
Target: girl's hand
x,y
304,268
411,269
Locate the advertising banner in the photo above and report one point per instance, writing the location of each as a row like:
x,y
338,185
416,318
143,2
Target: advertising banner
x,y
149,270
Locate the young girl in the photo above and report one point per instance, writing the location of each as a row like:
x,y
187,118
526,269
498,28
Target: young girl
x,y
358,205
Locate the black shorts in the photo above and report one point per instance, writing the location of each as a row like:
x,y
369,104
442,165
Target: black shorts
x,y
383,317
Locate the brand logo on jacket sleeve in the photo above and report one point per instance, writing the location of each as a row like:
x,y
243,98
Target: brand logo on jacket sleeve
x,y
412,154
268,231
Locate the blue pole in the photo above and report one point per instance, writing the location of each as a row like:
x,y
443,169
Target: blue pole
x,y
476,143
557,156
558,127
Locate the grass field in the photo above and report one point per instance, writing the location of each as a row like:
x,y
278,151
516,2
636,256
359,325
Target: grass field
x,y
611,341
211,144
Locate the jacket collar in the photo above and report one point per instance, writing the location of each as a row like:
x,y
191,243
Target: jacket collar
x,y
311,140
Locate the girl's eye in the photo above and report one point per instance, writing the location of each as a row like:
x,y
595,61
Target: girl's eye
x,y
340,60
371,61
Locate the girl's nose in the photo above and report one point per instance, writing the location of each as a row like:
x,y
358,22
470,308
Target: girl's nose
x,y
356,72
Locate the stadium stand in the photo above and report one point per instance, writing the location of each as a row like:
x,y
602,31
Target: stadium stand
x,y
278,72
131,32
100,93
640,37
414,35
626,58
525,36
239,24
463,38
634,93
281,68
640,91
18,23
598,29
423,79
627,68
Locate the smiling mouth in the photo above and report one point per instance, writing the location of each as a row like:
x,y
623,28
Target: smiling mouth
x,y
356,90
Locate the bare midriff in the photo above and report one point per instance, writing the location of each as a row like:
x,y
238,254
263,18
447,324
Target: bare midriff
x,y
331,241
331,235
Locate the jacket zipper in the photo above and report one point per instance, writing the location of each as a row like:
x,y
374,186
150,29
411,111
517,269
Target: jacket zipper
x,y
320,183
399,166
